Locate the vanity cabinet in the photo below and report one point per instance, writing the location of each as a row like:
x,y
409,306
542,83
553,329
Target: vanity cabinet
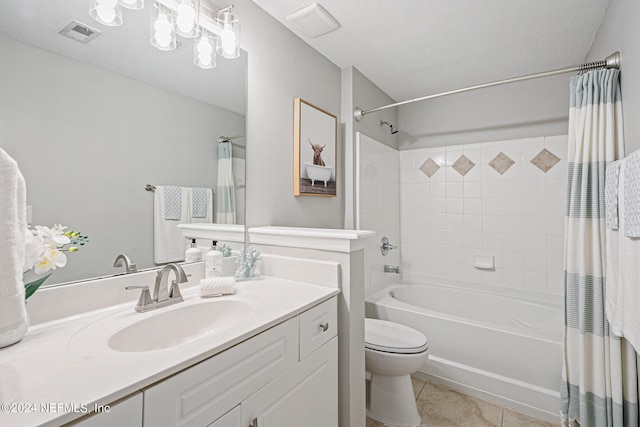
x,y
126,412
285,376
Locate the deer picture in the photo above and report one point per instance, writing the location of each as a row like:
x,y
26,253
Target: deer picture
x,y
317,158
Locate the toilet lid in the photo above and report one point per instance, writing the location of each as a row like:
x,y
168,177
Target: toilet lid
x,y
391,337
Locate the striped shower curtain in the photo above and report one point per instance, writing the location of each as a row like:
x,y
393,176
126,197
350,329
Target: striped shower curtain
x,y
599,376
225,193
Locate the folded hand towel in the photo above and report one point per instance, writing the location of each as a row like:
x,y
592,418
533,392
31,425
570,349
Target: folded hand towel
x,y
13,315
199,202
168,242
200,205
217,286
611,194
172,203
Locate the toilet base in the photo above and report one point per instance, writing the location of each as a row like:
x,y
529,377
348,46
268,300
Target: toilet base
x,y
392,402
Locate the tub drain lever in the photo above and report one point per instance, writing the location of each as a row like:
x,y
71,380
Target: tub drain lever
x,y
385,246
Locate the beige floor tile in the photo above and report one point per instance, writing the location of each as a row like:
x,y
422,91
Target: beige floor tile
x,y
441,407
516,419
373,423
417,386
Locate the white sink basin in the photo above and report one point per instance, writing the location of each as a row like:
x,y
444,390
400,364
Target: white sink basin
x,y
179,325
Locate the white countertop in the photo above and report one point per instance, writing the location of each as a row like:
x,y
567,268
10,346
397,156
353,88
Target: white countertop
x,y
60,362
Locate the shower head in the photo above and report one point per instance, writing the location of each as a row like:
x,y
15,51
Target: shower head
x,y
392,129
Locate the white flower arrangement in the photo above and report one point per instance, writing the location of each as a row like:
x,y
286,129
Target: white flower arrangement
x,y
45,250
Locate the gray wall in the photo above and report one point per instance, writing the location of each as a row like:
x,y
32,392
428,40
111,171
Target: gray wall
x,y
620,31
358,91
283,67
88,141
518,110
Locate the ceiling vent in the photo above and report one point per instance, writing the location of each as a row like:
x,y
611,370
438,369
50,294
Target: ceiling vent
x,y
313,20
80,32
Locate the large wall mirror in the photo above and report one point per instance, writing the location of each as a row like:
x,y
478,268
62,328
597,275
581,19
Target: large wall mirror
x,y
92,124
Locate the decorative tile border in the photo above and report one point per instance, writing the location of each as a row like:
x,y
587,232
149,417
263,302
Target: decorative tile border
x,y
429,167
501,163
463,165
545,160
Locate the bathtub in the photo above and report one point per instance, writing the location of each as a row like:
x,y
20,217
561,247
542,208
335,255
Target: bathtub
x,y
318,173
504,349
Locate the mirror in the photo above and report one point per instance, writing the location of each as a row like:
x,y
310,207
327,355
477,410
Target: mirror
x,y
91,124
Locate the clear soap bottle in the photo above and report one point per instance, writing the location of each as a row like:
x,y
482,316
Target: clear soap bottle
x,y
213,262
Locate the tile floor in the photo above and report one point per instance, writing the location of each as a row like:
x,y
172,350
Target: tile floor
x,y
441,407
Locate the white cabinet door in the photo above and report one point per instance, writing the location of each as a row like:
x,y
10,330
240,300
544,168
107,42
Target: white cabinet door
x,y
230,419
305,395
204,392
126,412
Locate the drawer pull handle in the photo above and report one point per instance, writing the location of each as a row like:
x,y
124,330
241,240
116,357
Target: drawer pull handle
x,y
254,423
324,326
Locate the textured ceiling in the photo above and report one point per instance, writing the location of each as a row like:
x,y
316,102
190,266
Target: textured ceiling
x,y
413,48
125,50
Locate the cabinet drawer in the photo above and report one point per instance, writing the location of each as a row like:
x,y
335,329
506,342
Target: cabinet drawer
x,y
203,393
317,326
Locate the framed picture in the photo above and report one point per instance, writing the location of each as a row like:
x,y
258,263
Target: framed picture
x,y
315,150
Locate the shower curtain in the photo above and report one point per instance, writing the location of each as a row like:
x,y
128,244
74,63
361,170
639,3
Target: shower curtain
x,y
599,376
225,194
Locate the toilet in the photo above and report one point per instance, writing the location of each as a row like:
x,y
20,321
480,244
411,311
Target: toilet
x,y
393,352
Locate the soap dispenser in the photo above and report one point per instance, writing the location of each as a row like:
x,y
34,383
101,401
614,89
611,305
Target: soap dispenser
x,y
213,262
193,254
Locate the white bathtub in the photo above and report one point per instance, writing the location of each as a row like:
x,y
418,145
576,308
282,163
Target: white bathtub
x,y
504,349
318,173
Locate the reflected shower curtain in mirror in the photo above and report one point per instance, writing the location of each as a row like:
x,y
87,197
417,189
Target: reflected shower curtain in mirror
x,y
225,195
599,375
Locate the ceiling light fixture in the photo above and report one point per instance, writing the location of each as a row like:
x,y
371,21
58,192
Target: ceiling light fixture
x,y
184,18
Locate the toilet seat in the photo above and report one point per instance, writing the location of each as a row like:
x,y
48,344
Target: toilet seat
x,y
391,337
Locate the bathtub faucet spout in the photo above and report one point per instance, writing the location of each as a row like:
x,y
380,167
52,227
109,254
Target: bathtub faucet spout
x,y
392,269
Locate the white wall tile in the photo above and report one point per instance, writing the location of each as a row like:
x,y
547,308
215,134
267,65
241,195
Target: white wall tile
x,y
444,220
472,222
513,278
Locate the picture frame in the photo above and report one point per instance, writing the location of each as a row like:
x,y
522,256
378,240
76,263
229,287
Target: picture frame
x,y
315,150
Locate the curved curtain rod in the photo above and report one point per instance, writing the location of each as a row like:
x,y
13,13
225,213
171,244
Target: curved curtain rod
x,y
611,61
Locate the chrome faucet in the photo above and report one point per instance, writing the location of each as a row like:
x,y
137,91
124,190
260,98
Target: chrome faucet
x,y
126,261
392,269
163,295
385,246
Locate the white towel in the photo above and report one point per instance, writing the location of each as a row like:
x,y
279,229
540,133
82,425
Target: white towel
x,y
611,186
613,293
632,194
217,286
168,243
193,216
623,276
13,207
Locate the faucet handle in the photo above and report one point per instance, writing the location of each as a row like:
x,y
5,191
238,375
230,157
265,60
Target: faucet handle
x,y
174,292
145,297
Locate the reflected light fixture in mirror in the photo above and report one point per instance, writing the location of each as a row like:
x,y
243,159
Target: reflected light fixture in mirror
x,y
106,12
132,4
228,41
204,53
162,35
187,18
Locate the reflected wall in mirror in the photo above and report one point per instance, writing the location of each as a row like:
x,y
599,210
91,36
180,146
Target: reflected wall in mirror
x,y
92,124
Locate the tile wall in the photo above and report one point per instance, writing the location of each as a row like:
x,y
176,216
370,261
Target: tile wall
x,y
497,199
378,203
